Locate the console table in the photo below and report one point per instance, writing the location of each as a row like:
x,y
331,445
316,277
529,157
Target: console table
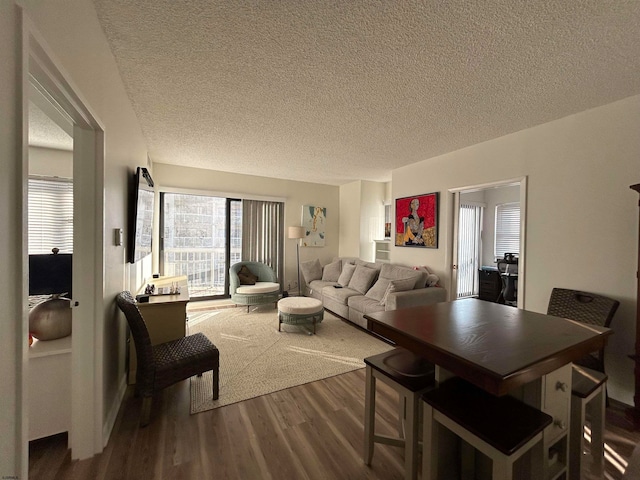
x,y
164,315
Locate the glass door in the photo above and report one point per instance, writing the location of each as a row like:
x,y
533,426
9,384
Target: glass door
x,y
200,238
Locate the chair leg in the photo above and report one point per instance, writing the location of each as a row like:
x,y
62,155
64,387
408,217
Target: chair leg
x,y
145,414
216,382
597,413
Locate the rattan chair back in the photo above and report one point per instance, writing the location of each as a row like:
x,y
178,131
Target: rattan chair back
x,y
586,308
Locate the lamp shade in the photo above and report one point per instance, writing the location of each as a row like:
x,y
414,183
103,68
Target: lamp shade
x,y
297,232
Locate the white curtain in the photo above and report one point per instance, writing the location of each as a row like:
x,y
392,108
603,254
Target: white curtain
x,y
263,234
469,249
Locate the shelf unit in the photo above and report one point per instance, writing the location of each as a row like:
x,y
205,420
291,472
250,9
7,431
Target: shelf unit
x,y
49,387
382,250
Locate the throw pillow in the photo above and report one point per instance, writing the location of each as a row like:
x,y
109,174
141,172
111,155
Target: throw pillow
x,y
246,276
331,271
346,274
363,278
311,270
379,288
398,286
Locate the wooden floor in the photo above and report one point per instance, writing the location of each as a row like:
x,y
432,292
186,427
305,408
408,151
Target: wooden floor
x,y
312,431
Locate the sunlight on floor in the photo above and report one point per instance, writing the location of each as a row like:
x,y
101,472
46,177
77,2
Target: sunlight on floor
x,y
610,455
336,358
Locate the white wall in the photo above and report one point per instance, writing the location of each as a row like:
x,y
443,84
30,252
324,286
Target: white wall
x,y
581,230
371,218
350,219
296,194
50,162
361,218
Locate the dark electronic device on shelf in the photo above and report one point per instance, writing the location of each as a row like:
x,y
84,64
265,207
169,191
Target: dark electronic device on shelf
x,y
50,273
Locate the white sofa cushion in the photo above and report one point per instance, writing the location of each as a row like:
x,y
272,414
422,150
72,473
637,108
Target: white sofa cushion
x,y
362,279
331,271
398,286
259,287
311,270
346,274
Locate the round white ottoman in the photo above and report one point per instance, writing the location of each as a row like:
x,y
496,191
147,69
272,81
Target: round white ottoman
x,y
299,310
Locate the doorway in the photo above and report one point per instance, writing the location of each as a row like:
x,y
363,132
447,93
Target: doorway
x,y
43,78
486,229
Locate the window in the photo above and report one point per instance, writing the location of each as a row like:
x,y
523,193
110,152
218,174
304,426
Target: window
x,y
200,238
469,230
507,235
50,215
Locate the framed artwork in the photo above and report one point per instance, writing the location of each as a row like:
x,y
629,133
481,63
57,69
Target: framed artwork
x,y
417,221
313,221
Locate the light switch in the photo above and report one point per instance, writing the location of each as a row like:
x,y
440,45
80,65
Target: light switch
x,y
117,237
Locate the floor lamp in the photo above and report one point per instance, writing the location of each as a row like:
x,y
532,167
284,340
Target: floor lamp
x,y
297,233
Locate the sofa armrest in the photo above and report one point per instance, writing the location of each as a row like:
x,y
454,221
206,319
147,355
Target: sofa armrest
x,y
413,298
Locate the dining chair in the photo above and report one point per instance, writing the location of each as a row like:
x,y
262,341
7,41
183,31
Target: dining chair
x,y
588,377
410,376
164,364
588,308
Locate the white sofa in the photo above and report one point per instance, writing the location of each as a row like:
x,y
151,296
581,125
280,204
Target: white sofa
x,y
352,288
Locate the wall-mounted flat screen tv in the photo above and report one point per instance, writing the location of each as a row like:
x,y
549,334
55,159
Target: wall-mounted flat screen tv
x,y
141,213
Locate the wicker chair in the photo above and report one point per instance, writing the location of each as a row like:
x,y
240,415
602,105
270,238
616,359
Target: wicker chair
x,y
162,365
266,289
587,308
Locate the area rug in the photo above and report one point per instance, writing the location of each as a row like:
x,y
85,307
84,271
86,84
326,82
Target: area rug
x,y
256,359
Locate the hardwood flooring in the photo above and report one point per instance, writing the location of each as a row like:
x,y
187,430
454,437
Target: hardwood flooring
x,y
312,431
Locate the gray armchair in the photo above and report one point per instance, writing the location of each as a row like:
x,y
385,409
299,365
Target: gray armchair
x,y
265,290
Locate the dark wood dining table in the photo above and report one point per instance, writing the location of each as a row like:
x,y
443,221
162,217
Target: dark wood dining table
x,y
496,347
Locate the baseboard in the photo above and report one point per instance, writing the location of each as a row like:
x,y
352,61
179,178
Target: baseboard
x,y
113,412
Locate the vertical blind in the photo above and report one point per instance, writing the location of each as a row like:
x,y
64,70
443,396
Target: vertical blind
x,y
469,227
263,234
507,238
50,215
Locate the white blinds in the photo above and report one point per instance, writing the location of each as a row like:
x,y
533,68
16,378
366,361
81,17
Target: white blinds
x,y
507,239
469,249
50,215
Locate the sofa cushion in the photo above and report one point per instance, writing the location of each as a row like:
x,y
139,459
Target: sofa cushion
x,y
246,276
390,272
311,270
346,274
363,278
379,288
398,272
398,286
364,304
339,295
331,271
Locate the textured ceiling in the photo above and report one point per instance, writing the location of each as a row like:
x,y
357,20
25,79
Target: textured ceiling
x,y
336,91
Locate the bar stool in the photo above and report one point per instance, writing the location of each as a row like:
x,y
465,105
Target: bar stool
x,y
410,376
587,393
503,428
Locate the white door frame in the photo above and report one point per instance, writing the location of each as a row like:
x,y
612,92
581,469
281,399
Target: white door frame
x,y
453,255
40,67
